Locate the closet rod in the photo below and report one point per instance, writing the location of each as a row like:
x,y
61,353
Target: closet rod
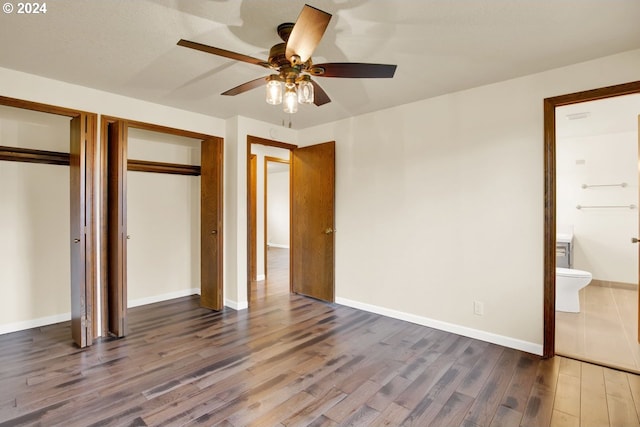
x,y
585,186
606,207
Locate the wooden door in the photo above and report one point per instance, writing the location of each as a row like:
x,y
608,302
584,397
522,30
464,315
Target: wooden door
x,y
81,283
312,221
211,224
117,229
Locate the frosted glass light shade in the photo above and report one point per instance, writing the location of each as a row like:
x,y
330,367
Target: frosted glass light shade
x,y
305,91
274,91
290,99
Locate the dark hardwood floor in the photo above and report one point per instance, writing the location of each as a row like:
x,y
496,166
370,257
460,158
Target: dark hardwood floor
x,y
295,361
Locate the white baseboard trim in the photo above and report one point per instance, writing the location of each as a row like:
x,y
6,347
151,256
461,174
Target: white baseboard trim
x,y
162,297
514,343
260,277
242,305
34,323
277,245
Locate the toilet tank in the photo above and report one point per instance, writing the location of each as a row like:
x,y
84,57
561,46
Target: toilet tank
x,y
564,243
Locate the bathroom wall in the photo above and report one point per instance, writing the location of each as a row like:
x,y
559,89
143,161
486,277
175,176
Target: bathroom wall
x,y
602,236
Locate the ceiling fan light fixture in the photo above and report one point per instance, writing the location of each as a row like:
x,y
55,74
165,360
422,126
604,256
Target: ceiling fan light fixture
x,y
305,90
274,90
290,101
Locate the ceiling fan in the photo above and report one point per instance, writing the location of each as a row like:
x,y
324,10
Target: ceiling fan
x,y
291,60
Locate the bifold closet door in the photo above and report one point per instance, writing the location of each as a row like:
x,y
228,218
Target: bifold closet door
x,y
81,182
117,229
211,224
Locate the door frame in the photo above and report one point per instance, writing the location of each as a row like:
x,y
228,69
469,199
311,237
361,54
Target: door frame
x,y
251,231
84,299
550,104
212,298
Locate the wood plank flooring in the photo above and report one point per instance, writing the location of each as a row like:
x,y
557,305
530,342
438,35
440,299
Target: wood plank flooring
x,y
295,361
606,329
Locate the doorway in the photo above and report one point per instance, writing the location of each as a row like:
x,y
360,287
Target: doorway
x,y
269,194
312,218
550,174
596,216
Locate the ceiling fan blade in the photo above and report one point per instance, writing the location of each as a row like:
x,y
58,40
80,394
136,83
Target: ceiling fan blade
x,y
355,70
320,97
222,52
307,32
244,87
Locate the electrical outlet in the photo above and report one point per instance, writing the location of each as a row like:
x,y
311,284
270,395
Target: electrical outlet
x,y
478,308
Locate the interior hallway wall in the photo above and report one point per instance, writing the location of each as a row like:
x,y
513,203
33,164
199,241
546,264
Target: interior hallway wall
x,y
278,208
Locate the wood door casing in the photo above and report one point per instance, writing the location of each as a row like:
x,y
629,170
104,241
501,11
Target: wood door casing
x,y
253,218
211,187
117,229
312,221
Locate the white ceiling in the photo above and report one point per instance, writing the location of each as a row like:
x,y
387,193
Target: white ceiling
x,y
440,46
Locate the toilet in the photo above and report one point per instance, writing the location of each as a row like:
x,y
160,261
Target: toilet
x,y
568,283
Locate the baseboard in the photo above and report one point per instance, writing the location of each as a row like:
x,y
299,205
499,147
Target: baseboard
x,y
618,285
34,323
277,245
514,343
162,297
242,305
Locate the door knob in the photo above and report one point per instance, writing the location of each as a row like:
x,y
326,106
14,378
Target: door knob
x,y
76,240
329,231
128,236
634,240
214,232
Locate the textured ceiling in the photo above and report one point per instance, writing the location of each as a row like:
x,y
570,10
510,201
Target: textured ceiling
x,y
129,47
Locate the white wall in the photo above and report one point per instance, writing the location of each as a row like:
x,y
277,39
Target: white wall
x,y
601,236
34,224
163,220
439,203
278,208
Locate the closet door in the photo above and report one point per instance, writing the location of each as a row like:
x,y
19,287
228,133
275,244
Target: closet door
x,y
211,224
117,229
80,154
312,221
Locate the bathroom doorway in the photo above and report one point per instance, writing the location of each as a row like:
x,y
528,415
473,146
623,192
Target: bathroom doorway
x,y
596,215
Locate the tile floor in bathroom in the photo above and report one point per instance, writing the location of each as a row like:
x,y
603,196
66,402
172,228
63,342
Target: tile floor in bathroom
x,y
605,331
